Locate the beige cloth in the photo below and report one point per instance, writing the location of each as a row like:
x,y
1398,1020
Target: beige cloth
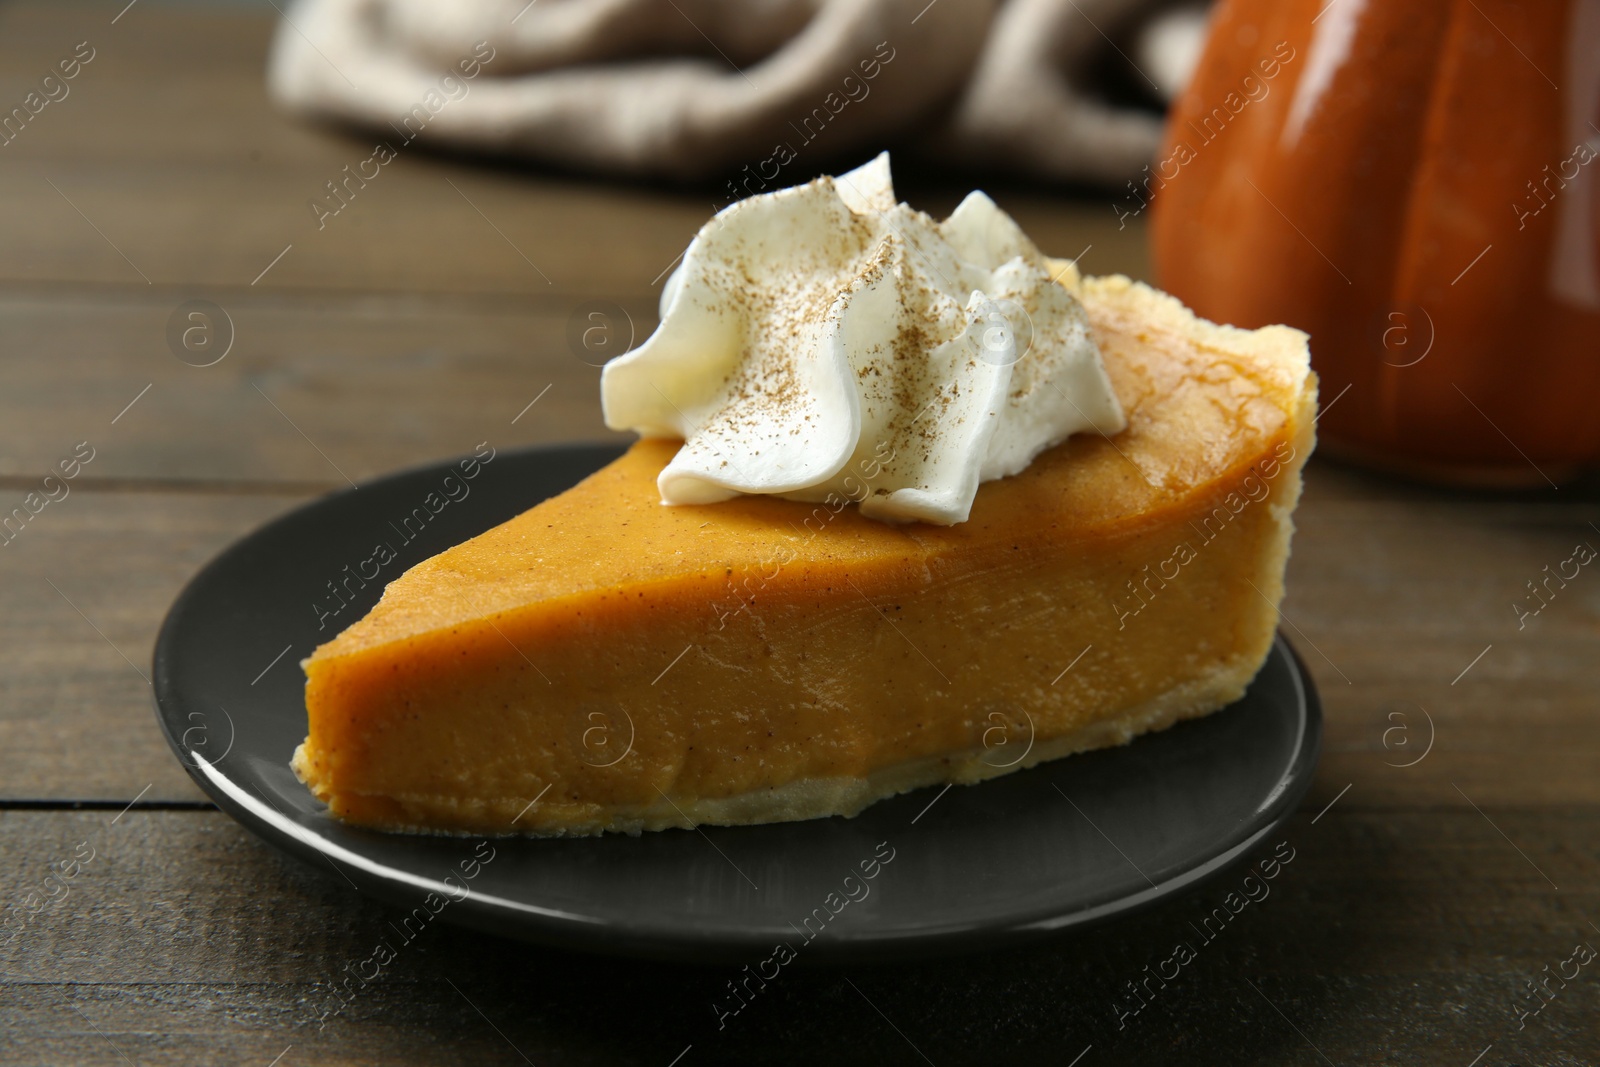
x,y
689,89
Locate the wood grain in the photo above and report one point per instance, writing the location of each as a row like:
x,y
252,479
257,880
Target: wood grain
x,y
1397,601
84,589
186,939
409,230
312,392
424,318
1394,593
194,178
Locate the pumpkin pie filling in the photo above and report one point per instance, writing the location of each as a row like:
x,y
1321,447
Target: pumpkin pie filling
x,y
606,663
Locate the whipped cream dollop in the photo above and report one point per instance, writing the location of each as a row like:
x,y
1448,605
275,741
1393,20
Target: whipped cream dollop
x,y
825,342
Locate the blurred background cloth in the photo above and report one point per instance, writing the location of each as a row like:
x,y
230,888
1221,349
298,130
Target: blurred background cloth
x,y
697,89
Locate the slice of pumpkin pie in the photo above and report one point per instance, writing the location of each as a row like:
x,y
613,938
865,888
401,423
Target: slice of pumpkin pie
x,y
913,505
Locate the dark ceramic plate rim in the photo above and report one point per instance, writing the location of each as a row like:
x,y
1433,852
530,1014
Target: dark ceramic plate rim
x,y
519,919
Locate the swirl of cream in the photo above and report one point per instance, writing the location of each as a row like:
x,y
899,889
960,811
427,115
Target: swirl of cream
x,y
825,339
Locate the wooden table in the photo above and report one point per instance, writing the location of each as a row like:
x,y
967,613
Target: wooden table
x,y
424,318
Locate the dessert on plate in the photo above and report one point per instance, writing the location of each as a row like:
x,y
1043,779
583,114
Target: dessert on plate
x,y
912,504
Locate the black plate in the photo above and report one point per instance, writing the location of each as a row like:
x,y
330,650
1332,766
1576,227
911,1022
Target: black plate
x,y
1060,846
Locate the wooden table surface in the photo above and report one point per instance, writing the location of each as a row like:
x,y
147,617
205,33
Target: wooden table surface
x,y
421,320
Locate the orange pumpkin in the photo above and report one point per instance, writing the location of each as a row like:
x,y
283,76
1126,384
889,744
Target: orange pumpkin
x,y
1416,183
